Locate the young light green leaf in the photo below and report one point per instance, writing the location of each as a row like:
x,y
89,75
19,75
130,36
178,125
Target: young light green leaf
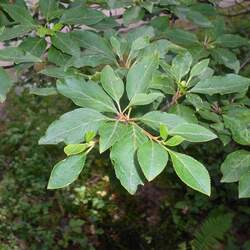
x,y
193,132
199,68
123,158
140,75
112,83
87,16
244,187
227,84
174,141
235,165
152,158
90,135
163,131
144,99
86,94
75,149
66,171
5,84
110,133
191,172
181,65
72,126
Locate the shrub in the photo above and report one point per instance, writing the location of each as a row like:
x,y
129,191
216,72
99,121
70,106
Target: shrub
x,y
145,93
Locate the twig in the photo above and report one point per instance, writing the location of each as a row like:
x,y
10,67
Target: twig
x,y
174,100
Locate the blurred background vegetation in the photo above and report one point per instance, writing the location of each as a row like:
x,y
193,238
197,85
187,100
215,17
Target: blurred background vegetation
x,y
95,212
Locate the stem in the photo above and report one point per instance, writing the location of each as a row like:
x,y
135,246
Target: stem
x,y
119,107
129,111
174,100
151,137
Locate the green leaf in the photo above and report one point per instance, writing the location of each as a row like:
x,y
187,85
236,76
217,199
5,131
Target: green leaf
x,y
48,8
140,75
57,57
231,41
133,14
110,133
182,37
164,83
75,149
160,22
93,42
244,187
174,141
90,135
209,116
72,126
163,131
227,84
199,68
181,65
185,112
144,99
43,91
14,32
235,165
226,57
17,55
123,158
238,124
193,132
86,94
5,84
191,172
196,101
82,15
34,45
66,43
19,13
58,72
140,43
117,46
152,158
199,19
155,118
66,171
111,83
88,58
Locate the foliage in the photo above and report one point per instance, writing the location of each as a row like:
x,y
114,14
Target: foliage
x,y
146,94
212,230
94,212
